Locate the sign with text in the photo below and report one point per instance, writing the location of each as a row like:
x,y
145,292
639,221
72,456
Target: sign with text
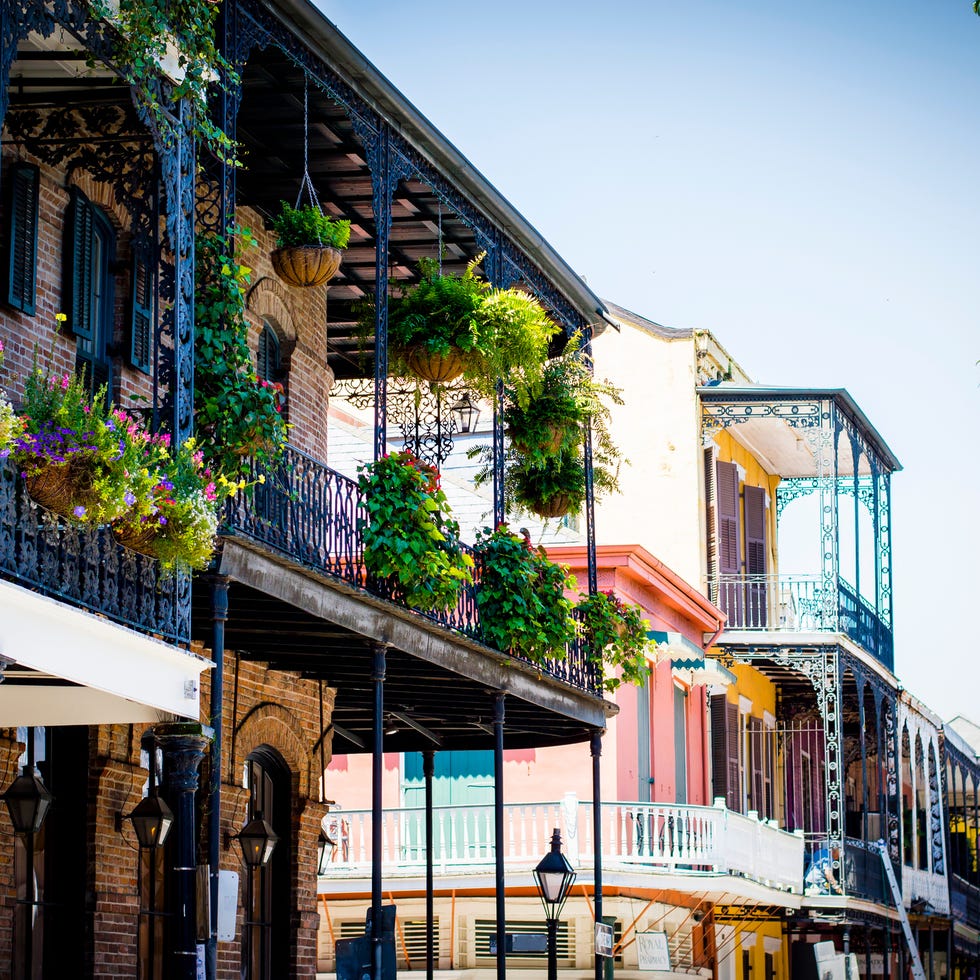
x,y
603,939
653,951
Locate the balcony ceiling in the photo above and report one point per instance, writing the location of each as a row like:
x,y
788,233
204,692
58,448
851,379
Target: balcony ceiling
x,y
775,425
452,698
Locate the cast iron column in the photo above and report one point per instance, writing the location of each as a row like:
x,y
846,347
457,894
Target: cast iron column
x,y
888,952
428,769
183,745
498,835
596,747
377,810
219,616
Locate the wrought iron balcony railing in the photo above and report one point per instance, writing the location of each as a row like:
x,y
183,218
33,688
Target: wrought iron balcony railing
x,y
635,836
87,568
801,603
313,515
965,901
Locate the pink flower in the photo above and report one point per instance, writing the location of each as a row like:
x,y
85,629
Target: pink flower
x,y
65,381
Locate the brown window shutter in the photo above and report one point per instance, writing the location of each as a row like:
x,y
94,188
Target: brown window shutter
x,y
730,594
755,555
719,747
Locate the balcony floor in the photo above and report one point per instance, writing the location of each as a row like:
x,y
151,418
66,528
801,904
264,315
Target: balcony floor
x,y
297,620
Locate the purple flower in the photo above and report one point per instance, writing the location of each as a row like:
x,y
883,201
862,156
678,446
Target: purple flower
x,y
79,511
129,498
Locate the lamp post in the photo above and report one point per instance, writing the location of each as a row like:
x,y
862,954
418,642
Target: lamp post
x,y
554,877
257,840
28,801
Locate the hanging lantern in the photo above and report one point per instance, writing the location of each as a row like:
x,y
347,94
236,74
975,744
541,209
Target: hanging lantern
x,y
257,840
466,413
152,820
28,801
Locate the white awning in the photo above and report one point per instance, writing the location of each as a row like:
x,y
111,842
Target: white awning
x,y
66,666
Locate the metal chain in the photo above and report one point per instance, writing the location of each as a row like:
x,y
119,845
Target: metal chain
x,y
306,183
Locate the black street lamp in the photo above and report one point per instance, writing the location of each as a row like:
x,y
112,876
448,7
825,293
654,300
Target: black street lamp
x,y
554,877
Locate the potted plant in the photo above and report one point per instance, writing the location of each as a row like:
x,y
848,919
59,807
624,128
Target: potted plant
x,y
238,415
175,515
449,324
75,454
568,395
521,597
433,326
308,244
409,538
616,634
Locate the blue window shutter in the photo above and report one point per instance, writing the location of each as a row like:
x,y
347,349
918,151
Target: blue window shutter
x,y
268,355
142,317
22,247
77,282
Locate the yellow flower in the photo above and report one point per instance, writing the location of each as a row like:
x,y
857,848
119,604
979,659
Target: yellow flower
x,y
262,478
61,317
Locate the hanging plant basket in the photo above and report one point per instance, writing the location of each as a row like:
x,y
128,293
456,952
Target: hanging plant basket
x,y
306,265
548,445
437,368
61,487
137,537
557,506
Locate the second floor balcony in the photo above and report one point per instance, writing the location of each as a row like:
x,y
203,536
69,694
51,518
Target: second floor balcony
x,y
798,478
313,516
802,604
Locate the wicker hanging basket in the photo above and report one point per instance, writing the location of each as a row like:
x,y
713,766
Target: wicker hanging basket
x,y
306,265
437,368
137,537
549,445
61,487
557,506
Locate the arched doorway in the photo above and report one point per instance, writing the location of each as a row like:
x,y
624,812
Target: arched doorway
x,y
265,938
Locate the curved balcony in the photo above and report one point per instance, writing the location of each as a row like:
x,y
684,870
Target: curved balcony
x,y
311,515
636,837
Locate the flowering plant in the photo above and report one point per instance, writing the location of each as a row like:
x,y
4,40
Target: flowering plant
x,y
521,597
175,516
409,537
616,634
76,453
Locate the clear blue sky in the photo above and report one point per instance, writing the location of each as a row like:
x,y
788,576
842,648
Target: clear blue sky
x,y
801,179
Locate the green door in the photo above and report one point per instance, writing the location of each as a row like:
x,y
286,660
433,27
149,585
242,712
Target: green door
x,y
462,781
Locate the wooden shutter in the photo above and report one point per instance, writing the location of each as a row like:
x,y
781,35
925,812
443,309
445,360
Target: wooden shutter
x,y
77,284
755,555
724,751
142,317
22,247
730,594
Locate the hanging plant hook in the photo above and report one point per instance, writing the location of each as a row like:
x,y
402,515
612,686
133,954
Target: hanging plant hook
x,y
306,184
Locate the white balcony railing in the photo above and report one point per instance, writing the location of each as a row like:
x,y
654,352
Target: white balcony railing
x,y
920,885
677,838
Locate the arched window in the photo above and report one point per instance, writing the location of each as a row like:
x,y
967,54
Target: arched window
x,y
266,939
